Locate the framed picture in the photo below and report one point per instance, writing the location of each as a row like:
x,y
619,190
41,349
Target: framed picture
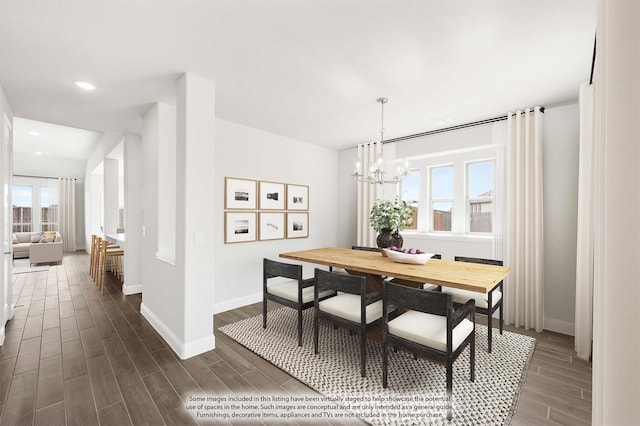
x,y
297,225
272,195
297,197
239,194
271,226
239,227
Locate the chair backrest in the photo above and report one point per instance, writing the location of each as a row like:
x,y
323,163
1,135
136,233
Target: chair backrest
x,y
436,256
365,248
478,260
430,302
352,284
272,268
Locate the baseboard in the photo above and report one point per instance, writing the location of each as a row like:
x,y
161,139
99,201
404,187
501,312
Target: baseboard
x,y
237,303
183,350
560,326
128,289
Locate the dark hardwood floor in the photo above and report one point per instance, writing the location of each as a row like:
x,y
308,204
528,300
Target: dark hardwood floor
x,y
74,357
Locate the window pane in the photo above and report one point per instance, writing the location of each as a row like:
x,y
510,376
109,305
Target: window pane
x,y
22,202
49,208
480,179
481,217
479,195
442,183
442,216
411,194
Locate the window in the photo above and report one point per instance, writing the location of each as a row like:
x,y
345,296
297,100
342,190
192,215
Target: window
x,y
480,178
454,192
49,208
441,199
22,206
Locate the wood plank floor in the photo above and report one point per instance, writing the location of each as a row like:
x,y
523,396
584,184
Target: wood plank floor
x,y
74,357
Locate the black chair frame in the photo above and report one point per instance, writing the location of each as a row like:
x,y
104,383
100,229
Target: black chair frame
x,y
436,303
352,284
490,309
272,269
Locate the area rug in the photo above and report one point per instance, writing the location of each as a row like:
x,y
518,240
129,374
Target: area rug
x,y
21,266
417,388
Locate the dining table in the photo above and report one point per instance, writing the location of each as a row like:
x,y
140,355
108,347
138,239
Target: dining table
x,y
475,277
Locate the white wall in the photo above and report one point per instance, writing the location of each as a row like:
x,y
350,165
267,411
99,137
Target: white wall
x,y
163,283
560,176
29,164
244,152
5,220
560,156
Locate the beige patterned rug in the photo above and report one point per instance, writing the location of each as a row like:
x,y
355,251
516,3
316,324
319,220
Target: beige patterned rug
x,y
416,387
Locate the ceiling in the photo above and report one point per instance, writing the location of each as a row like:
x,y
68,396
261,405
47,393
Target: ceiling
x,y
309,69
53,140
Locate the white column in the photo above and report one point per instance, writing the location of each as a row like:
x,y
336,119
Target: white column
x,y
111,185
133,189
195,140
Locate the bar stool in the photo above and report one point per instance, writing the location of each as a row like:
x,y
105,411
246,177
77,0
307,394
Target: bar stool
x,y
107,254
95,256
92,256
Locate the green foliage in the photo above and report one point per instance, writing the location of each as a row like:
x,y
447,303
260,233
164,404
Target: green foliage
x,y
394,215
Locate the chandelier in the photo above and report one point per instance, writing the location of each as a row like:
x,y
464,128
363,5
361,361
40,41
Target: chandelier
x,y
376,171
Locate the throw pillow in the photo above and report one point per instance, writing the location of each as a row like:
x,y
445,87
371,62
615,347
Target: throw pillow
x,y
15,238
46,239
35,237
49,234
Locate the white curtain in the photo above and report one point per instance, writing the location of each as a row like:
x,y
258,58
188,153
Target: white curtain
x,y
584,258
367,195
67,215
524,231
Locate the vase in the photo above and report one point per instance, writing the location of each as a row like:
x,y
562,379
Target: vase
x,y
387,239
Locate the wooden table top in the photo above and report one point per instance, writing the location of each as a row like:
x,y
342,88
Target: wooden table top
x,y
463,275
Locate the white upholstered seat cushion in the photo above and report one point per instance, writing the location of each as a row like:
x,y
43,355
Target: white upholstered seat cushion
x,y
429,330
430,287
347,306
288,289
462,296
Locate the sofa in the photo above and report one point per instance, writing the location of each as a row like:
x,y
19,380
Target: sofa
x,y
39,247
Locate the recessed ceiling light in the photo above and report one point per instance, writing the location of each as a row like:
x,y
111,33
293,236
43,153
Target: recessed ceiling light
x,y
34,133
38,153
85,86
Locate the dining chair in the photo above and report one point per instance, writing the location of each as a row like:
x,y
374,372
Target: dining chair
x,y
363,248
351,307
429,286
486,304
430,327
287,288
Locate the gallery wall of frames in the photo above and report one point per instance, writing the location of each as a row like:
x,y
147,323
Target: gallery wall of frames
x,y
263,211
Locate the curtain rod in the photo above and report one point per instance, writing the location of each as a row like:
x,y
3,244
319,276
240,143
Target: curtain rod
x,y
448,129
43,177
